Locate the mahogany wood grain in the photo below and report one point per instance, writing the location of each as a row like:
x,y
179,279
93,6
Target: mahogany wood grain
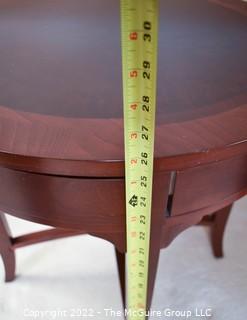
x,y
218,229
48,87
92,205
239,6
41,236
217,224
9,244
61,126
122,274
6,249
206,185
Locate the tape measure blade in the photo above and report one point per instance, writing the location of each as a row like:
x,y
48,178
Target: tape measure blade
x,y
139,54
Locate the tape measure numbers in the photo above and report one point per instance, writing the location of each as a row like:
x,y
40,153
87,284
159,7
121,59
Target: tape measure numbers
x,y
139,34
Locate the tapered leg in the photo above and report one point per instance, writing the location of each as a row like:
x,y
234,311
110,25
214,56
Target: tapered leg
x,y
9,265
121,258
217,230
6,249
153,264
155,239
160,194
157,228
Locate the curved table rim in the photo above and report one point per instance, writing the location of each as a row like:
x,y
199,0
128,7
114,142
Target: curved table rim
x,y
56,145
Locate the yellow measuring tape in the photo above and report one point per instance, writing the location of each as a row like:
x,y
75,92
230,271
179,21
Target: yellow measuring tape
x,y
139,28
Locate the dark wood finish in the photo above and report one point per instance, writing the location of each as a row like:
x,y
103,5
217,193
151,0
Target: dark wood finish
x,y
218,229
216,221
207,185
238,5
217,224
6,249
121,267
42,236
8,243
66,77
198,97
61,126
93,205
174,225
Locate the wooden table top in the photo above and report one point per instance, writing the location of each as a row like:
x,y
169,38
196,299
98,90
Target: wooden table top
x,y
61,90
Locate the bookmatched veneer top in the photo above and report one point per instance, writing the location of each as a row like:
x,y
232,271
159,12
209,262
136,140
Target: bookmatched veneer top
x,y
61,89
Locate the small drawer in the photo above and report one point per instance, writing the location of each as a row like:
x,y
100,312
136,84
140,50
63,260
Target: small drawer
x,y
204,186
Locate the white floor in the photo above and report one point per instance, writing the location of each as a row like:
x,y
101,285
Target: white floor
x,y
56,282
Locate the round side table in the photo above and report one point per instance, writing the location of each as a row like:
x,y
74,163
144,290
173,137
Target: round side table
x,y
61,126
